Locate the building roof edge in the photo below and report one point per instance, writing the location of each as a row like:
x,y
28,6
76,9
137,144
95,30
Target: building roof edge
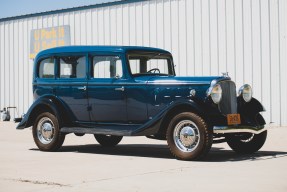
x,y
80,8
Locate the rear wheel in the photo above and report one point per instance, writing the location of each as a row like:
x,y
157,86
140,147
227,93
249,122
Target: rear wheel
x,y
188,136
108,140
46,132
247,142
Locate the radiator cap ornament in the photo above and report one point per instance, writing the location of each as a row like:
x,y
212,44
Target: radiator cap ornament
x,y
225,74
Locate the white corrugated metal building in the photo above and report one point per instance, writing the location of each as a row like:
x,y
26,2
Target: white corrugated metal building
x,y
247,38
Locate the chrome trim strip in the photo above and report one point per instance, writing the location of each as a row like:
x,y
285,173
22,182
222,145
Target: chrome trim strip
x,y
178,83
238,129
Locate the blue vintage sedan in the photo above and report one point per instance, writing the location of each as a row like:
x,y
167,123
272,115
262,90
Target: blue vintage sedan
x,y
116,91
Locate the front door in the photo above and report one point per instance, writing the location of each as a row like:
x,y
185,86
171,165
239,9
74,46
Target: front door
x,y
106,90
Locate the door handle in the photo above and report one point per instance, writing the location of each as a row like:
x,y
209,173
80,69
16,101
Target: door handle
x,y
84,88
120,88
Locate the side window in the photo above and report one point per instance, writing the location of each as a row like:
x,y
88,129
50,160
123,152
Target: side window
x,y
144,65
135,65
107,67
73,67
46,68
160,64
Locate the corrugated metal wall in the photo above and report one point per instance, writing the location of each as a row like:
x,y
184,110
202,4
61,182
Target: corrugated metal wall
x,y
247,38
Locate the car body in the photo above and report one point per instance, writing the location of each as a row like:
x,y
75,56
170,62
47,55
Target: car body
x,y
116,91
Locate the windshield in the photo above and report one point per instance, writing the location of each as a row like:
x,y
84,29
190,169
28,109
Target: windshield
x,y
150,63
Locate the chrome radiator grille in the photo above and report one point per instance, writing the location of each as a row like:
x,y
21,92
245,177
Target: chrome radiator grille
x,y
228,103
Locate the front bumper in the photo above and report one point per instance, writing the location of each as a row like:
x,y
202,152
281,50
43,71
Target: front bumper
x,y
238,129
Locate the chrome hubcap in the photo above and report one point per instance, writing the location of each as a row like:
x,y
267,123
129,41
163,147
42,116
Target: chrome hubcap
x,y
186,136
45,130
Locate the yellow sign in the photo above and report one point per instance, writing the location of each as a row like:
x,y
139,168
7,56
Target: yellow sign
x,y
46,38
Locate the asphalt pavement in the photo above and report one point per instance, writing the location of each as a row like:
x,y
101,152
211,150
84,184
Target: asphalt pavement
x,y
136,164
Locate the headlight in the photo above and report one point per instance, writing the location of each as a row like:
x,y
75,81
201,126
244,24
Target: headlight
x,y
215,92
245,92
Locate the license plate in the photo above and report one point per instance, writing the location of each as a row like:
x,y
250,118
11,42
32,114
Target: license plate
x,y
233,119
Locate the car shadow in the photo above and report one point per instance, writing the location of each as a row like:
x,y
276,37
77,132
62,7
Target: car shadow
x,y
216,154
136,150
224,155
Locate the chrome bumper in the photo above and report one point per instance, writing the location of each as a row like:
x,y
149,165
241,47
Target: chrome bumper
x,y
238,129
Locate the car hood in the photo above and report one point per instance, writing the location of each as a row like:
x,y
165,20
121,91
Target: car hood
x,y
182,80
173,87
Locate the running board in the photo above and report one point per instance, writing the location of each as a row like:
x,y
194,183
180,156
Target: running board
x,y
123,131
149,128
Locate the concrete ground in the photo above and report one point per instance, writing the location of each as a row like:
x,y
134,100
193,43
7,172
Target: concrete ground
x,y
136,164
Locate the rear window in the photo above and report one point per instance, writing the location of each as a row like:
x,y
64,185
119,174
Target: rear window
x,y
47,68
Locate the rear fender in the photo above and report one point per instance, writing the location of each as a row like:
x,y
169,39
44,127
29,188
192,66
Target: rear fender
x,y
45,103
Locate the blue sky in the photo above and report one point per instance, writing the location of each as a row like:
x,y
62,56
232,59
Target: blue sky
x,y
10,8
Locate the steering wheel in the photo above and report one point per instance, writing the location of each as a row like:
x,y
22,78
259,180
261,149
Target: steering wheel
x,y
153,70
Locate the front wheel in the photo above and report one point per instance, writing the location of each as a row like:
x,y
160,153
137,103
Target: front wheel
x,y
46,132
188,136
246,143
108,140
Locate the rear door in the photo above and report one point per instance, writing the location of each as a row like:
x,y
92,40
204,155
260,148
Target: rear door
x,y
71,84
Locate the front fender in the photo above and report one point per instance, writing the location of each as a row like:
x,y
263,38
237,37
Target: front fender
x,y
155,125
251,111
191,104
251,108
47,102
